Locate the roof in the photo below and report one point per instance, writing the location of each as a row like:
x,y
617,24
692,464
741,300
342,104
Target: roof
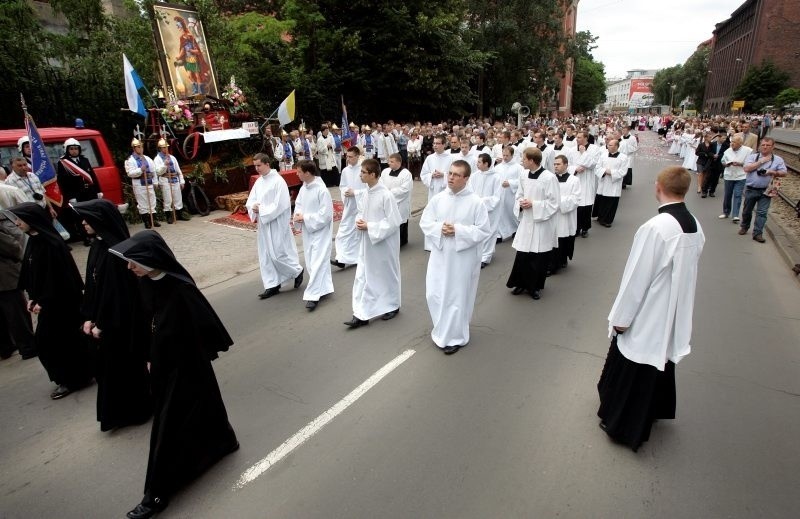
x,y
48,134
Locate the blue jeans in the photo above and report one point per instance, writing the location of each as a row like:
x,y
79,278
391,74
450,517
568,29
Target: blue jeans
x,y
754,198
732,200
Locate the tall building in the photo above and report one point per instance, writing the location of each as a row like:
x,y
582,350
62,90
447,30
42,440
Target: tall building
x,y
758,30
629,93
565,90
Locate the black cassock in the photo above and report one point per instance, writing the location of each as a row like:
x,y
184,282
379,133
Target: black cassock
x,y
112,302
51,278
190,431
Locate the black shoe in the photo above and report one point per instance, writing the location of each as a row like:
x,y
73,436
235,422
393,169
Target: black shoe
x,y
299,279
712,195
499,240
390,315
703,195
170,219
355,322
606,225
483,264
266,294
185,216
60,392
536,294
517,291
311,305
563,265
548,273
146,221
144,511
449,350
338,264
584,233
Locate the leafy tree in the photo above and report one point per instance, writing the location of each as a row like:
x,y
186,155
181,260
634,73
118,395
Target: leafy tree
x,y
787,97
663,82
588,85
692,81
760,85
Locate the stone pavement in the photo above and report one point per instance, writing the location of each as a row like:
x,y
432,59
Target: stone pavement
x,y
214,253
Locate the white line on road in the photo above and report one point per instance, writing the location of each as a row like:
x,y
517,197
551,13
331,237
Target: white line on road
x,y
319,422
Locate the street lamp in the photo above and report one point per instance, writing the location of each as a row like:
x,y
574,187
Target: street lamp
x,y
671,95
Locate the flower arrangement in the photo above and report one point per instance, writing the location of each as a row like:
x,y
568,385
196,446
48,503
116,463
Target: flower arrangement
x,y
234,95
177,112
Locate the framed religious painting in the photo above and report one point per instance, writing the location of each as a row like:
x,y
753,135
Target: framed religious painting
x,y
184,56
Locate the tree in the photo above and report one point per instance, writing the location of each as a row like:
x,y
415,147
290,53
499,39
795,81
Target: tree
x,y
588,85
787,97
760,85
692,80
663,82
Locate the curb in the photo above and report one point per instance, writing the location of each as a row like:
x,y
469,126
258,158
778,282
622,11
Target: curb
x,y
788,248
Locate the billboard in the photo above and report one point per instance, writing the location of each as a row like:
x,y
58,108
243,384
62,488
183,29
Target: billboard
x,y
640,94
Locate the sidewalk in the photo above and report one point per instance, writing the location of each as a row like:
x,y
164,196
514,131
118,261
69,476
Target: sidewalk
x,y
214,253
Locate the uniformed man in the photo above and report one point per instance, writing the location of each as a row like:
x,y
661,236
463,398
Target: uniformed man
x,y
171,182
142,171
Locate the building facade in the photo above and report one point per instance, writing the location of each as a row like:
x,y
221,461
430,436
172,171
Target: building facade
x,y
759,30
629,93
565,90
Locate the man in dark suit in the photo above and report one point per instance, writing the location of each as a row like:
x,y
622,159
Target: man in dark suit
x,y
719,143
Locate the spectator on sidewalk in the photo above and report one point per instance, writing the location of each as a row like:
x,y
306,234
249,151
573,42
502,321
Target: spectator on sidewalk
x,y
761,168
733,160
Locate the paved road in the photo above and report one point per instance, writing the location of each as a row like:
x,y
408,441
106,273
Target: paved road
x,y
504,428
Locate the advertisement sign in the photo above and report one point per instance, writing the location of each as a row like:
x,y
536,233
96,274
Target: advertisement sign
x,y
640,94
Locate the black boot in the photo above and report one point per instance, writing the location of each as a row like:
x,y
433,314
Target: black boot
x,y
146,220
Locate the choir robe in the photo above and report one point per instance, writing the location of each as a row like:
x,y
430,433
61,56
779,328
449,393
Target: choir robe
x,y
486,185
655,302
435,162
315,204
611,174
348,238
400,185
454,265
548,157
567,217
629,145
277,252
589,160
376,288
470,158
507,218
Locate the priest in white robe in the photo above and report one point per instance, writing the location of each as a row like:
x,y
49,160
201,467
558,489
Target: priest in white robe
x,y
376,288
269,206
434,170
651,321
567,216
610,174
485,183
629,145
537,204
457,224
587,158
399,182
509,173
313,214
348,238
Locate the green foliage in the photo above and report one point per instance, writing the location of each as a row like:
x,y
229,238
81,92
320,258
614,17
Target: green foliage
x,y
662,85
588,85
694,73
787,97
760,86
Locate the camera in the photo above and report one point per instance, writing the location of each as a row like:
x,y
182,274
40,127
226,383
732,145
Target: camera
x,y
37,196
761,172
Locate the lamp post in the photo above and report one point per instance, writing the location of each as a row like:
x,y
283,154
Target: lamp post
x,y
671,95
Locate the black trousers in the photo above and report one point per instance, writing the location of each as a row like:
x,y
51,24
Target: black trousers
x,y
16,329
403,233
605,208
711,180
584,218
529,270
628,180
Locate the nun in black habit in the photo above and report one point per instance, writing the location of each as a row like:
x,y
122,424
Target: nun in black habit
x,y
190,431
112,314
51,278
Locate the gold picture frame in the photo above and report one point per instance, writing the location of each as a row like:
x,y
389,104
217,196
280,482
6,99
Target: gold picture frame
x,y
183,54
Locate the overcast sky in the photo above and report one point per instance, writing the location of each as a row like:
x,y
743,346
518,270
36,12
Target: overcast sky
x,y
648,34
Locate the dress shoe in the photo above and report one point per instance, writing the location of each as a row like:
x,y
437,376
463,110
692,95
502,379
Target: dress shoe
x,y
355,322
759,238
606,225
796,268
536,294
60,392
144,511
499,240
449,350
266,294
338,264
311,305
390,315
170,219
299,279
584,233
712,195
483,264
703,195
517,291
156,223
184,216
742,231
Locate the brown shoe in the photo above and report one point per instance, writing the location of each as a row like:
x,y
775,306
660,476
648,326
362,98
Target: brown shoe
x,y
759,238
742,231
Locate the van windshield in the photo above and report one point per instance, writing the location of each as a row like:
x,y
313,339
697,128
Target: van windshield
x,y
55,150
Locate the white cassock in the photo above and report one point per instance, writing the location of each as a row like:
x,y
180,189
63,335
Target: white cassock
x,y
376,288
470,158
629,147
348,238
656,295
589,159
400,186
325,153
567,216
385,145
486,185
537,227
507,220
454,265
142,171
315,204
690,160
571,143
616,166
171,181
436,162
277,252
548,157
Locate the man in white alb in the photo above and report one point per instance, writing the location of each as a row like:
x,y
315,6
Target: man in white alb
x,y
351,187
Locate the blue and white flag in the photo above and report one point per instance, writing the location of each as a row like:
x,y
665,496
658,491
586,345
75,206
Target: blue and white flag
x,y
40,163
132,85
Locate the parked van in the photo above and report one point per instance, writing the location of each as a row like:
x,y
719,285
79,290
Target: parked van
x,y
93,147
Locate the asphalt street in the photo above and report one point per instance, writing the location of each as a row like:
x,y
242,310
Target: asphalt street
x,y
506,427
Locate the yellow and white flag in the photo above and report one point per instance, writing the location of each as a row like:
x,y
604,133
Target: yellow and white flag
x,y
286,110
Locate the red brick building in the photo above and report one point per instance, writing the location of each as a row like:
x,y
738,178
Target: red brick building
x,y
758,30
565,90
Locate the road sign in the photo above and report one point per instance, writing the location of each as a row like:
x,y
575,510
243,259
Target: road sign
x,y
737,105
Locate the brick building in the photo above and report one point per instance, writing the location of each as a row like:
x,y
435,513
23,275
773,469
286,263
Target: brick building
x,y
565,90
758,30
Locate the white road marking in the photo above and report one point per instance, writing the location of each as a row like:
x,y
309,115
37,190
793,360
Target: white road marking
x,y
319,422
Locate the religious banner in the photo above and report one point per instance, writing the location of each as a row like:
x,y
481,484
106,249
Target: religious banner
x,y
184,57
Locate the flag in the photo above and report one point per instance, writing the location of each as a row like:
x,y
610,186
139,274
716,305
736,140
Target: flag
x,y
346,135
286,110
41,165
132,85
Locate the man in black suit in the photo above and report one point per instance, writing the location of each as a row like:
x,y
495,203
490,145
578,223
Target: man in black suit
x,y
719,143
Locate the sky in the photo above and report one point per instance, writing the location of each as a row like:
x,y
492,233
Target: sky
x,y
649,34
